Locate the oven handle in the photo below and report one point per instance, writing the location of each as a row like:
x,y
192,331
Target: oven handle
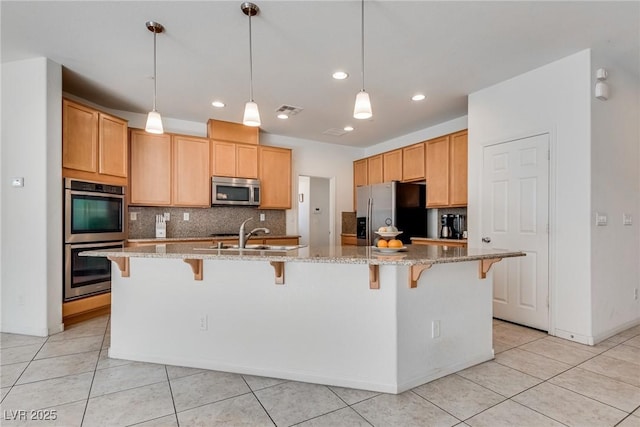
x,y
91,193
95,245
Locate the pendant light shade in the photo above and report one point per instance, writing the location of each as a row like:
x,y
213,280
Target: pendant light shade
x,y
154,121
362,109
251,113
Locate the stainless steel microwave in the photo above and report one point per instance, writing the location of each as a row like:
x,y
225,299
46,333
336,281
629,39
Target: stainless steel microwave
x,y
234,191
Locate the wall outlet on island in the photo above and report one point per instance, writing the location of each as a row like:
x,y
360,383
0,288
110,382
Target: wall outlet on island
x,y
204,322
435,329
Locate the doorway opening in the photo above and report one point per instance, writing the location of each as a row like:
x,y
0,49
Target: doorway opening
x,y
316,216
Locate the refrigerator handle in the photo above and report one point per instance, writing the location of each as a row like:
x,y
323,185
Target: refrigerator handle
x,y
369,221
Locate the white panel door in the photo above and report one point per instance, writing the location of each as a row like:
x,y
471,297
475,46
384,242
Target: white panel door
x,y
515,216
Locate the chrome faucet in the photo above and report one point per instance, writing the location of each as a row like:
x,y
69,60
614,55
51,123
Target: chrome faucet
x,y
242,237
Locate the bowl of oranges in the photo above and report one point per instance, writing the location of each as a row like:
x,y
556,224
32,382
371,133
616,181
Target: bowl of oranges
x,y
388,242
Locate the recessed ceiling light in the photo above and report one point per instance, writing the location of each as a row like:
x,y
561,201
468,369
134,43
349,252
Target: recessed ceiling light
x,y
348,128
418,97
218,104
340,75
283,116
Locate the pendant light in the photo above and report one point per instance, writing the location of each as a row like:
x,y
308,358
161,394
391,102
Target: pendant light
x,y
362,109
251,113
154,121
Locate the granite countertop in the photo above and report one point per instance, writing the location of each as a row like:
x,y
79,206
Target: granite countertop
x,y
438,239
208,238
413,255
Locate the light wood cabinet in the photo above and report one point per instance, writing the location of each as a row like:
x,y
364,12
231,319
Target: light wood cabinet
x,y
348,240
233,132
190,171
446,160
458,169
439,242
275,177
360,178
413,162
234,160
392,166
375,169
94,144
437,172
150,177
169,170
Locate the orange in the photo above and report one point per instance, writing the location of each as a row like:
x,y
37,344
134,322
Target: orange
x,y
395,243
382,243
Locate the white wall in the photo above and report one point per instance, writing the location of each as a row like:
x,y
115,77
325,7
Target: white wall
x,y
32,215
556,99
319,214
615,189
304,189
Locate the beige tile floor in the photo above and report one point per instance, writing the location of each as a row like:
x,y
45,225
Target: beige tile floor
x,y
535,380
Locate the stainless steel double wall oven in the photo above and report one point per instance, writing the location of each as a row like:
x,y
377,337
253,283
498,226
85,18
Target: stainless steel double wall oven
x,y
94,218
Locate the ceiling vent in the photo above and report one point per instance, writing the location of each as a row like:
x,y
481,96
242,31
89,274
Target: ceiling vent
x,y
334,132
289,110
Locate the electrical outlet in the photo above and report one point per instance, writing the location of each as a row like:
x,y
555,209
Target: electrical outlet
x,y
601,218
262,217
204,322
635,293
185,216
133,216
627,219
167,216
435,329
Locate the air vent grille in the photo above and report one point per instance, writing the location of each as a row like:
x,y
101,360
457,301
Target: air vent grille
x,y
289,110
334,132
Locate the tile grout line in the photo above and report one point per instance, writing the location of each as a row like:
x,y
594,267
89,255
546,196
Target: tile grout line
x,y
255,396
435,404
86,405
173,401
25,368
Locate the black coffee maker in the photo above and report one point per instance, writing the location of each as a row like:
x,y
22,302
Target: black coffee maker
x,y
458,226
446,227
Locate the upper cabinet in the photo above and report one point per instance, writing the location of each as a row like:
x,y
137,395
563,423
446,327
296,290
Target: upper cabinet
x,y
232,132
447,170
94,144
392,166
169,170
441,162
234,160
413,162
275,177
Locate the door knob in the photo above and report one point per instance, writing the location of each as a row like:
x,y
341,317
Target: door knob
x,y
486,239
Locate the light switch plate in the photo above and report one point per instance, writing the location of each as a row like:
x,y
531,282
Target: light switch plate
x,y
601,219
133,216
17,181
185,216
262,217
627,219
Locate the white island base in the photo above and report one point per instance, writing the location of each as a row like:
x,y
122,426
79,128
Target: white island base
x,y
323,325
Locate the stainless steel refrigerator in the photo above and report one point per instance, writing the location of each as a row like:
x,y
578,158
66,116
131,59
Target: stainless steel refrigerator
x,y
391,203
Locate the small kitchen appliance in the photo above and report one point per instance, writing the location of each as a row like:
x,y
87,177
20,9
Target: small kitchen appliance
x,y
458,226
446,226
234,191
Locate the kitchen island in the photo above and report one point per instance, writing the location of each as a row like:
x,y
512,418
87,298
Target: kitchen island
x,y
345,315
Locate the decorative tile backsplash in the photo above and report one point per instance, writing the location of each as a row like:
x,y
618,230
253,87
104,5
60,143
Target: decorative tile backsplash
x,y
203,222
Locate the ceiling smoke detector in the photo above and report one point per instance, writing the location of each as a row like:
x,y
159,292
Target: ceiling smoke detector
x,y
287,110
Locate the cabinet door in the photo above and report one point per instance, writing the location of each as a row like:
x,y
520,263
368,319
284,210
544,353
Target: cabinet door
x,y
191,171
437,160
413,162
232,132
246,161
223,158
113,146
275,177
79,137
392,166
375,169
458,172
150,175
360,177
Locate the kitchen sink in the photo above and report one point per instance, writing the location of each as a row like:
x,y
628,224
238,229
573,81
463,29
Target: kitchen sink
x,y
274,248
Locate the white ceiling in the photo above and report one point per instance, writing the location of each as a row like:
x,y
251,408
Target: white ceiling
x,y
444,49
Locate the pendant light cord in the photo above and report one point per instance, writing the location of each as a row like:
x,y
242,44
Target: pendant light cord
x,y
250,61
155,79
362,44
